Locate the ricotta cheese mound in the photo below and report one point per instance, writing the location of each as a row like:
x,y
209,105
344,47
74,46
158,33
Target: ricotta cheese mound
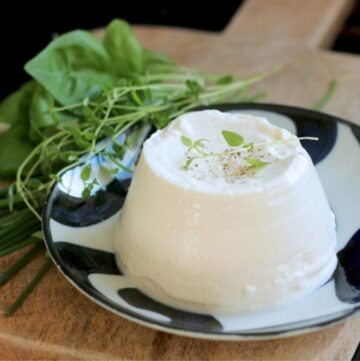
x,y
222,235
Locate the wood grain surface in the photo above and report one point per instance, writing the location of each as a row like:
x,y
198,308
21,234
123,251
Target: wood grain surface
x,y
59,323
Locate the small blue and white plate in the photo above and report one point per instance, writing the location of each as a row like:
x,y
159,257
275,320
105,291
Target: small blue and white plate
x,y
79,236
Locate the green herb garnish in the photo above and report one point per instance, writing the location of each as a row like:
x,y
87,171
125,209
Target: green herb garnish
x,y
236,141
232,139
238,148
256,163
186,141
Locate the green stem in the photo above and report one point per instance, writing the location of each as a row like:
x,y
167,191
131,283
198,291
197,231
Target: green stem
x,y
4,192
18,246
28,289
17,235
15,222
5,202
236,85
19,183
21,263
68,107
161,86
98,129
320,103
32,170
254,98
4,212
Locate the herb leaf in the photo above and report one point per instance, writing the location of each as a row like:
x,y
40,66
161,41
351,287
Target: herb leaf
x,y
119,150
72,67
40,113
14,148
186,141
15,108
226,79
157,62
249,147
193,86
232,139
200,143
256,163
125,50
86,173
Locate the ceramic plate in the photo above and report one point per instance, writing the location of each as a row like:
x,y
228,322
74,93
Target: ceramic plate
x,y
79,236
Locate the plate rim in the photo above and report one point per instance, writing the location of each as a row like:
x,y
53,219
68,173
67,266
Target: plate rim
x,y
212,335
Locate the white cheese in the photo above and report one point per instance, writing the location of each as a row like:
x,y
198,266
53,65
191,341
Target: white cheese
x,y
221,237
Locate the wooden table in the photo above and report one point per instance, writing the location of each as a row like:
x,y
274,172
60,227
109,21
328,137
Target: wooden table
x,y
57,322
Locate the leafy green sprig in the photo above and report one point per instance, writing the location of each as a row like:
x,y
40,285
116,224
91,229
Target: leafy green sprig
x,y
197,149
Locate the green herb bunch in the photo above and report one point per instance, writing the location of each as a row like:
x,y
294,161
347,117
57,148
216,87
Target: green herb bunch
x,y
84,94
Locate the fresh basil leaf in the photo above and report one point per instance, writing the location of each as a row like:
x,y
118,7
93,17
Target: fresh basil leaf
x,y
43,120
155,62
233,139
125,50
72,67
15,107
14,148
40,113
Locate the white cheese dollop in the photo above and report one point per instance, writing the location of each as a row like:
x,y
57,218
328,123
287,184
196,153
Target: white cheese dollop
x,y
221,237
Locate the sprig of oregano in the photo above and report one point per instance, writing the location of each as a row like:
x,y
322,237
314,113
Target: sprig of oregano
x,y
197,149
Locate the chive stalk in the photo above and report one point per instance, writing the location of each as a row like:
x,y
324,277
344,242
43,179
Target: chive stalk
x,y
21,263
29,288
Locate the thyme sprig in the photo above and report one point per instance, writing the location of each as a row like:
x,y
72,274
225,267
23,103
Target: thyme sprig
x,y
197,149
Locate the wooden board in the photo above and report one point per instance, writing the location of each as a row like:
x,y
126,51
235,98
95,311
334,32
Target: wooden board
x,y
57,322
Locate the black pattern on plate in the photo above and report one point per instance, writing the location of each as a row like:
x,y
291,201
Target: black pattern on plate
x,y
76,212
347,273
82,261
324,130
182,319
356,131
